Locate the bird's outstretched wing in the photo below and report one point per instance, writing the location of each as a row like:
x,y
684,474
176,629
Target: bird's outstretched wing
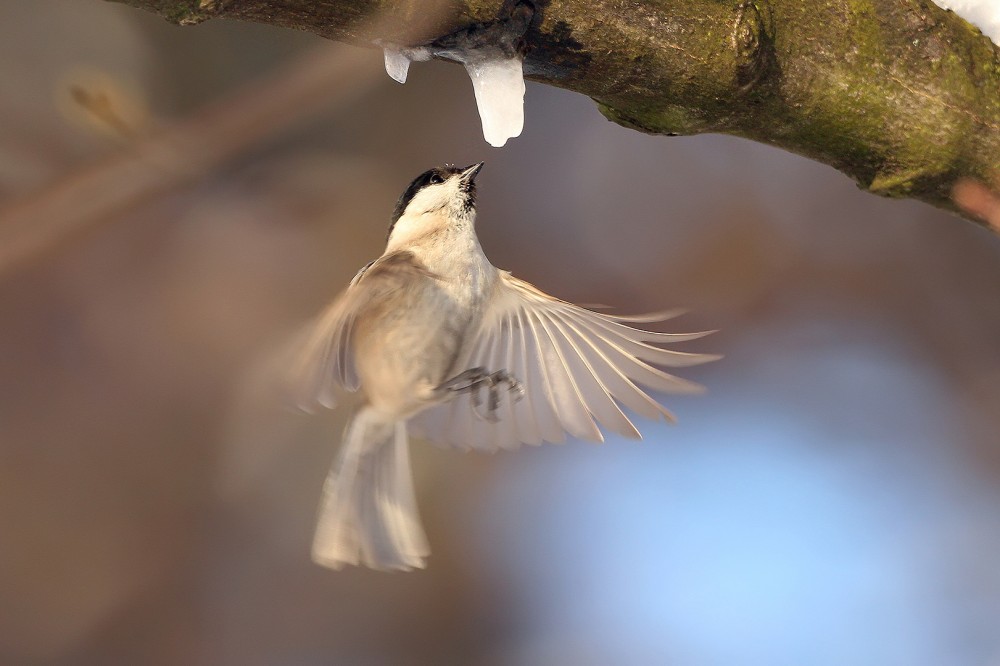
x,y
578,369
322,360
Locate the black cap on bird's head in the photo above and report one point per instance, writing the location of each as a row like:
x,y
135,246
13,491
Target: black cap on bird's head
x,y
462,178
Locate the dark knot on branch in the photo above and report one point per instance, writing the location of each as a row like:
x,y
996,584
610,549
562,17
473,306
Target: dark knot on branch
x,y
753,41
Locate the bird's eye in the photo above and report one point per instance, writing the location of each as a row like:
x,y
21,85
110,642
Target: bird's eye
x,y
436,179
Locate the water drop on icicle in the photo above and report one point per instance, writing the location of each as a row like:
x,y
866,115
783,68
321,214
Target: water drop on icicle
x,y
499,87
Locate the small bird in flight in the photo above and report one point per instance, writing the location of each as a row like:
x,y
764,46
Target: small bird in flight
x,y
434,336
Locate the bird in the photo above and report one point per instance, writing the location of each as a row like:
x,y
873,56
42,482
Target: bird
x,y
440,342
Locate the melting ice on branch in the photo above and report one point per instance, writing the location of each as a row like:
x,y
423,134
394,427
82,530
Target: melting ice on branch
x,y
497,80
396,64
499,87
398,59
492,56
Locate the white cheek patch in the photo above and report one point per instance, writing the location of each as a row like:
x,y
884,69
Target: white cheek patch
x,y
433,198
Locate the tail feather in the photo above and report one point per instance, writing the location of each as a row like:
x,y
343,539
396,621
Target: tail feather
x,y
368,513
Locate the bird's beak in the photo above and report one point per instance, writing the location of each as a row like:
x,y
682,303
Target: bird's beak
x,y
469,173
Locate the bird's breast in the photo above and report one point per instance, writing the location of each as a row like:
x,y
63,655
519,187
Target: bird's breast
x,y
412,337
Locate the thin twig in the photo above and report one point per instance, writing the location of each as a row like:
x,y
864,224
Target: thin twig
x,y
323,78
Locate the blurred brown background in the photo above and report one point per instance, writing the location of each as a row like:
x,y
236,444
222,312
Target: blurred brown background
x,y
833,499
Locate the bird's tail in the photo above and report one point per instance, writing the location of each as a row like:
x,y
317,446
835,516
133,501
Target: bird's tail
x,y
368,513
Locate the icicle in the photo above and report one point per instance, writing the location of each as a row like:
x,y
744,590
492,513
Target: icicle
x,y
499,87
396,64
398,58
493,56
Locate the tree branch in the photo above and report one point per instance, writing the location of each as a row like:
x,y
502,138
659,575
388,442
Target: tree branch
x,y
901,95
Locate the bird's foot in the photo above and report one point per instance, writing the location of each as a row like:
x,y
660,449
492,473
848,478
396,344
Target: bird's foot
x,y
475,380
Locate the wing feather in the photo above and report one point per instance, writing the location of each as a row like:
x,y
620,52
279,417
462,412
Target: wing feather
x,y
633,345
323,356
321,361
564,394
537,388
619,384
530,429
580,370
598,399
647,318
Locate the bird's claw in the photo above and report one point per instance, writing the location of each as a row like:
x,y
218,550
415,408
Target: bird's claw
x,y
475,379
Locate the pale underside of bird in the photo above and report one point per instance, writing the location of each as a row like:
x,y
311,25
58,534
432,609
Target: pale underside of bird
x,y
434,337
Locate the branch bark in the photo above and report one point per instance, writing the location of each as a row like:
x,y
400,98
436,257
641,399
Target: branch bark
x,y
901,95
